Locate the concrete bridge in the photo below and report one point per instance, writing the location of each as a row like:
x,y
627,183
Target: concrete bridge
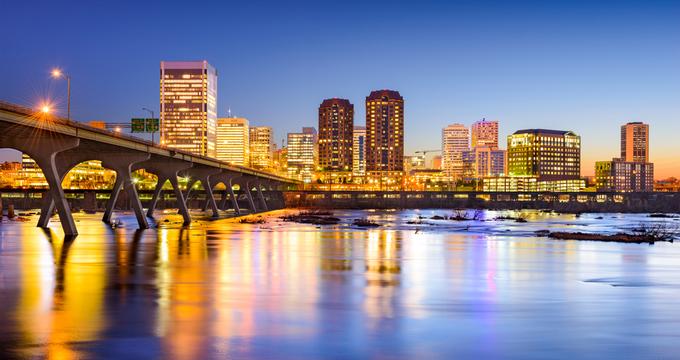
x,y
58,145
558,201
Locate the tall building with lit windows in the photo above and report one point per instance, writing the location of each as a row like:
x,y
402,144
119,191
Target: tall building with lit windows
x,y
188,104
359,151
455,140
484,133
546,154
301,154
261,147
336,133
384,131
635,142
233,141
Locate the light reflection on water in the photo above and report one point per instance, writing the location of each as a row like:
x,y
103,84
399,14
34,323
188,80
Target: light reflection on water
x,y
282,290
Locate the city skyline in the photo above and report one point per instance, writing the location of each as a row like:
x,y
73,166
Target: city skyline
x,y
592,78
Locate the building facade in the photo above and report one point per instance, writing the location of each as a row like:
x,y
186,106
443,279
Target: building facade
x,y
336,135
483,161
546,154
233,141
484,133
301,155
359,151
635,142
384,131
455,140
624,176
261,147
188,104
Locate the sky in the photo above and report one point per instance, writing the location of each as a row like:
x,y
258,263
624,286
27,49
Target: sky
x,y
585,66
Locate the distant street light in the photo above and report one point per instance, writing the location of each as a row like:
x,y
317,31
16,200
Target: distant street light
x,y
153,128
45,109
58,74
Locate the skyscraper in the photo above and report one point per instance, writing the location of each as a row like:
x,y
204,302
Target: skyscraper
x,y
188,103
384,131
546,154
455,140
261,147
233,141
301,154
336,126
484,133
635,142
359,151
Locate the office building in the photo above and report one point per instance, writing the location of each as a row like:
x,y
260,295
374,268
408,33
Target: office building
x,y
336,134
635,142
188,104
455,140
484,133
624,176
359,151
546,154
301,154
233,141
261,147
483,161
385,133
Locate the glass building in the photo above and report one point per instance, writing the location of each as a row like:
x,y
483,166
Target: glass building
x,y
359,151
546,154
455,140
188,104
261,147
233,141
301,155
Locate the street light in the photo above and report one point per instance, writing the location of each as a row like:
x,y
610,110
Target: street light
x,y
58,74
153,128
45,109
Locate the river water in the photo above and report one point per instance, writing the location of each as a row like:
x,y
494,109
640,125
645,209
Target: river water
x,y
439,290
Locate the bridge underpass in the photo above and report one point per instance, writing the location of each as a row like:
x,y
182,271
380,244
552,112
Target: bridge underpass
x,y
58,145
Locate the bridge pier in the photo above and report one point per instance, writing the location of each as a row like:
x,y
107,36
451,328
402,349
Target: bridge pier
x,y
203,175
122,165
260,196
168,169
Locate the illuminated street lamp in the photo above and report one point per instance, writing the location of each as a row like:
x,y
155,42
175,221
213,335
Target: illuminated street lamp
x,y
58,74
45,109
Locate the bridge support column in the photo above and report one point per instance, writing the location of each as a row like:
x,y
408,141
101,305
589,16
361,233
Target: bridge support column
x,y
156,194
260,196
249,195
203,175
168,169
122,165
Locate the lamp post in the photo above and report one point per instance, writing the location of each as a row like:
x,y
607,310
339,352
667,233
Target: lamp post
x,y
153,131
57,74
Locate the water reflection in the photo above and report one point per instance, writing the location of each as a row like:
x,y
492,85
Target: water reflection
x,y
293,291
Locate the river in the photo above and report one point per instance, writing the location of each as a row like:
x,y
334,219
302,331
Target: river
x,y
279,290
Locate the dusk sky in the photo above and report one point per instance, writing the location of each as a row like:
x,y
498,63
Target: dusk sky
x,y
586,66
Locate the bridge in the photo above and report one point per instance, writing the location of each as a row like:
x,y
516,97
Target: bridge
x,y
57,145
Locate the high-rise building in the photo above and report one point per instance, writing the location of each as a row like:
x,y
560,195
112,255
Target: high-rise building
x,y
188,106
625,176
301,154
635,142
484,133
233,141
546,154
359,151
261,147
384,131
336,127
483,161
455,140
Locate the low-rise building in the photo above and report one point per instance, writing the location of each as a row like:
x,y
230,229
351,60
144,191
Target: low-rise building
x,y
624,176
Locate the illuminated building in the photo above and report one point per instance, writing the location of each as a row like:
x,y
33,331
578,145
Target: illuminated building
x,y
336,134
484,133
385,133
233,141
359,151
88,175
624,176
437,162
280,161
546,154
455,140
483,161
635,142
531,183
261,147
188,103
9,173
426,180
301,155
667,185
